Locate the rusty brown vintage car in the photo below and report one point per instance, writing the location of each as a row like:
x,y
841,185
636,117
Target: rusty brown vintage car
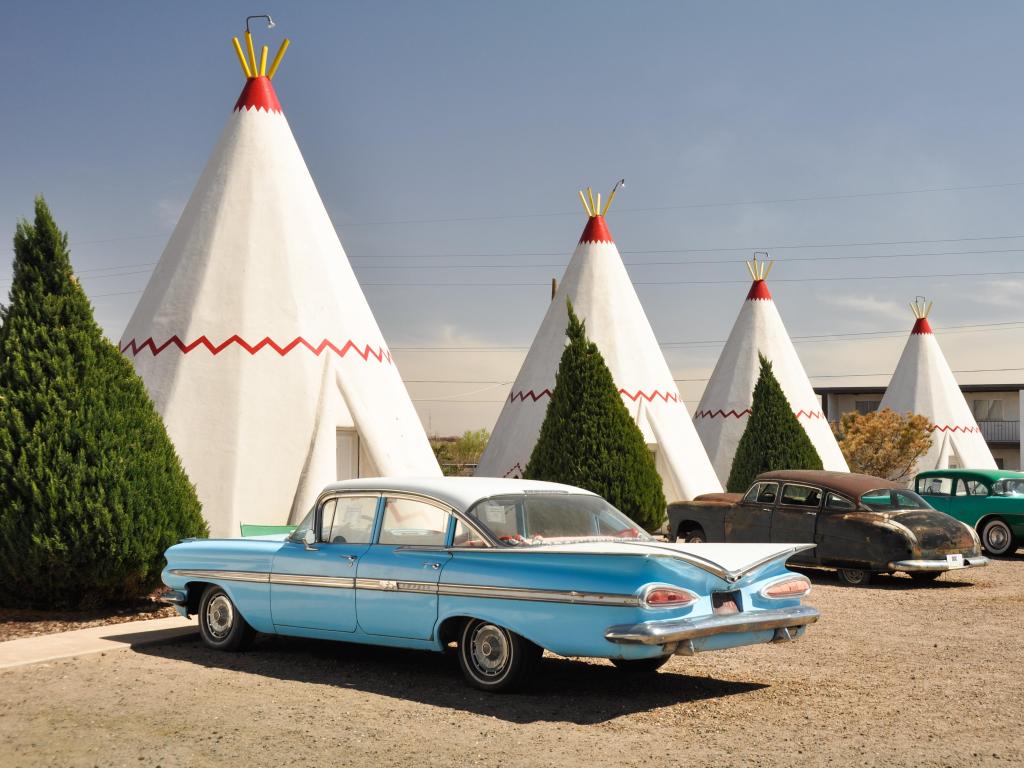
x,y
861,525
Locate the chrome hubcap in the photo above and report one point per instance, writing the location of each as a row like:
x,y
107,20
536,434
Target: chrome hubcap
x,y
853,576
220,616
996,538
489,650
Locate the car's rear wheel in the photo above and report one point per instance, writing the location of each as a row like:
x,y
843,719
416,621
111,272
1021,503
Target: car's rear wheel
x,y
925,576
693,535
997,538
493,658
221,626
855,577
640,667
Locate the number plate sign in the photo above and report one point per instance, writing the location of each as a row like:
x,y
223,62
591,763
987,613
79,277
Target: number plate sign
x,y
955,561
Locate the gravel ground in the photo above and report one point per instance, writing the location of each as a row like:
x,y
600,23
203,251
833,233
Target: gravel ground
x,y
895,674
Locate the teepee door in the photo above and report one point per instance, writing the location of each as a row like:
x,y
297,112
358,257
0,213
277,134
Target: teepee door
x,y
348,454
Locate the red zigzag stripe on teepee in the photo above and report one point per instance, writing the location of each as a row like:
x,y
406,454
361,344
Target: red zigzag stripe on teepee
x,y
366,352
947,428
634,396
746,412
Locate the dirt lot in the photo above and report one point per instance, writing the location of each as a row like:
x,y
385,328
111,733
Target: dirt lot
x,y
895,674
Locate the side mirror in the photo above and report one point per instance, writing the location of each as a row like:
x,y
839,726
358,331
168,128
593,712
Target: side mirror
x,y
309,539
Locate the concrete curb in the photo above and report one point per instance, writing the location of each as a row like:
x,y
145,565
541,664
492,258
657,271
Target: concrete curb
x,y
82,642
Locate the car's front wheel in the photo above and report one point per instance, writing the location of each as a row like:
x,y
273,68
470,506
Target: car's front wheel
x,y
640,667
221,626
855,577
493,658
997,538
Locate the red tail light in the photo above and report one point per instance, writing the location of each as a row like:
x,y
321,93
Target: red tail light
x,y
796,586
665,596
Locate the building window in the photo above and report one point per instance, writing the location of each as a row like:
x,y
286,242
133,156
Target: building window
x,y
988,410
866,406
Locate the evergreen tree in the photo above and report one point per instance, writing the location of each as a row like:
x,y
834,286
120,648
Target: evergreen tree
x,y
91,489
588,438
773,438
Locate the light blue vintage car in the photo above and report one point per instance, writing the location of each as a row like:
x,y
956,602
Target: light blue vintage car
x,y
502,569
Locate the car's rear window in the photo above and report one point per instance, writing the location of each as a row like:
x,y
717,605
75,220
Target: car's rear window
x,y
889,500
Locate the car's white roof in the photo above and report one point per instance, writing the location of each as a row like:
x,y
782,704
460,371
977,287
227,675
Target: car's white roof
x,y
459,492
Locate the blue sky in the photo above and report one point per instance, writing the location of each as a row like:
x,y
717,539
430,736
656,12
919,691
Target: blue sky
x,y
465,129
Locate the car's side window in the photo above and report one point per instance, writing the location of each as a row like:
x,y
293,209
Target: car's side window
x,y
751,495
801,496
961,488
409,522
975,488
767,493
352,520
936,486
467,537
326,520
837,503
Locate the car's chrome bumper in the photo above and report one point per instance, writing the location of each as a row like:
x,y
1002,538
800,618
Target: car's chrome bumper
x,y
937,565
174,597
669,632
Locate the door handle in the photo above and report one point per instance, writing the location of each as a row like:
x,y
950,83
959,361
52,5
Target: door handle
x,y
432,564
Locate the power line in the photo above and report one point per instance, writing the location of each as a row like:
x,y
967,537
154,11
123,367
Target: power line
x,y
933,276
692,206
686,262
947,329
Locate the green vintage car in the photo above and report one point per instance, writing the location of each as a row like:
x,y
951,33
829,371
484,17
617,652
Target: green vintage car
x,y
990,500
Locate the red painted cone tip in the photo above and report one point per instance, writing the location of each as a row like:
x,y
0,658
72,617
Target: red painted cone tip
x,y
921,326
759,291
258,94
596,231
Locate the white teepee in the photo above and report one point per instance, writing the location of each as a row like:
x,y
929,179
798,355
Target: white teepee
x,y
923,383
724,409
602,295
254,338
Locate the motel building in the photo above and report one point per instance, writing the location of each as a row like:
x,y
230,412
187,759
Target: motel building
x,y
996,408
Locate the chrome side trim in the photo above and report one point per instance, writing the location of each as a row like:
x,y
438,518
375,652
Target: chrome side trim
x,y
333,582
539,595
937,565
672,631
254,576
571,597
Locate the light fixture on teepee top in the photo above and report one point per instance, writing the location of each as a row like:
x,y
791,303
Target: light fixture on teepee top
x,y
254,338
923,383
597,284
723,411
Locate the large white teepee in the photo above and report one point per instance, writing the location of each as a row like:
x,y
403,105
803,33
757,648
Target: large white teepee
x,y
602,295
924,384
724,409
255,341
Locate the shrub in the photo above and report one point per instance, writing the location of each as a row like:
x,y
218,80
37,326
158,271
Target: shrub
x,y
774,438
588,438
884,443
91,489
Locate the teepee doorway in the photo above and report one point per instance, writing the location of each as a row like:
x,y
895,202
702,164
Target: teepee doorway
x,y
348,454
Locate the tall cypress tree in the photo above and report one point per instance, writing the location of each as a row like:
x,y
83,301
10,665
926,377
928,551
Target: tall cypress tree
x,y
588,438
773,439
91,489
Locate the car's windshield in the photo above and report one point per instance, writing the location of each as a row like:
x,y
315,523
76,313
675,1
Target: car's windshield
x,y
889,500
1008,487
533,519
